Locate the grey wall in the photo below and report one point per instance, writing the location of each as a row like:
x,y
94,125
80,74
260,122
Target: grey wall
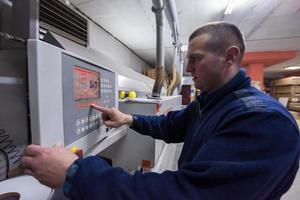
x,y
106,44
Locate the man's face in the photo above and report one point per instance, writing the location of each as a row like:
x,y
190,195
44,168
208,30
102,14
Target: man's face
x,y
206,67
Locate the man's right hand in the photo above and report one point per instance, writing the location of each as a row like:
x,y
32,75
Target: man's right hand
x,y
112,117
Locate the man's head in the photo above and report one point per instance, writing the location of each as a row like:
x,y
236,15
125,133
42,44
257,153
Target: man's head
x,y
214,54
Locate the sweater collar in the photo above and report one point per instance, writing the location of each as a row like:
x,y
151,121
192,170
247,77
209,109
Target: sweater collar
x,y
239,81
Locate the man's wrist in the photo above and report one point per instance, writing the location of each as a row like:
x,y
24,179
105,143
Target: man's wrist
x,y
129,119
69,178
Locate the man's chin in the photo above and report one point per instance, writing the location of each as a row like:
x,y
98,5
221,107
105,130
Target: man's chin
x,y
196,85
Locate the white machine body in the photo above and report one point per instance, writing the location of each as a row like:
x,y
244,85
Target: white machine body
x,y
62,86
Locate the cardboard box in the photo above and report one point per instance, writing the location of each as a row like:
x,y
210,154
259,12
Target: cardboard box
x,y
150,72
292,89
293,80
296,115
294,107
292,97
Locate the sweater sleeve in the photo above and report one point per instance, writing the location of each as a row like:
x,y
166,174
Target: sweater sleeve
x,y
255,156
171,127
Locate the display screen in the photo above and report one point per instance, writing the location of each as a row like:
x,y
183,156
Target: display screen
x,y
86,84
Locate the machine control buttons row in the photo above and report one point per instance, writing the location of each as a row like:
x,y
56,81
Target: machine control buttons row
x,y
85,120
104,80
106,102
88,127
88,123
106,91
103,85
94,117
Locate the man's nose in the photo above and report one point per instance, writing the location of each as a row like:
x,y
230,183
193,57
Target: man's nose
x,y
189,67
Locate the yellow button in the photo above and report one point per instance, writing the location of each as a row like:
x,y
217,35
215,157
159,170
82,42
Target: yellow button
x,y
122,94
132,94
74,149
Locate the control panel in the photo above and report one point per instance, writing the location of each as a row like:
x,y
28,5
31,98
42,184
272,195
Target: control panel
x,y
84,84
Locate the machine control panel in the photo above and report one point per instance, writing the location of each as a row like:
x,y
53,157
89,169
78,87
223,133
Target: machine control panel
x,y
84,84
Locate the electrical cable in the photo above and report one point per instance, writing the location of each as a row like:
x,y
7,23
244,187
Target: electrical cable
x,y
8,36
5,166
9,149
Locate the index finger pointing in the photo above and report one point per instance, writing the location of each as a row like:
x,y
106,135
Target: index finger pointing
x,y
100,108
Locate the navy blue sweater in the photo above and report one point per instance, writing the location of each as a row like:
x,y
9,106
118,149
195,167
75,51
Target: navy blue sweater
x,y
239,143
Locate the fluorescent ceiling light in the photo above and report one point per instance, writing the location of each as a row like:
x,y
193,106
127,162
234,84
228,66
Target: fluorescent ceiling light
x,y
292,67
230,6
67,2
184,47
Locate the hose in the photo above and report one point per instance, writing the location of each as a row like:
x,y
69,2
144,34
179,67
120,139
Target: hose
x,y
7,36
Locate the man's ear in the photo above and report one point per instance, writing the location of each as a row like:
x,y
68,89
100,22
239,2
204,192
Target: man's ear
x,y
231,55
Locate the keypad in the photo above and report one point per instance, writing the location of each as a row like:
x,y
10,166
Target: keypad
x,y
106,91
87,123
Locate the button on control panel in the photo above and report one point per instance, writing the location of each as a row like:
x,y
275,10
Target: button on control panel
x,y
88,123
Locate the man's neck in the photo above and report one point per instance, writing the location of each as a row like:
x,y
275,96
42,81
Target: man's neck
x,y
227,76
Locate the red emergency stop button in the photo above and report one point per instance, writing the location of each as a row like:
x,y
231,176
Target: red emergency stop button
x,y
78,152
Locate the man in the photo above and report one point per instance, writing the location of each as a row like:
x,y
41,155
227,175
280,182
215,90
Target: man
x,y
239,143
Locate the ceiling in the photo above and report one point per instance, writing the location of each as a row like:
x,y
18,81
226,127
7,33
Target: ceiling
x,y
269,25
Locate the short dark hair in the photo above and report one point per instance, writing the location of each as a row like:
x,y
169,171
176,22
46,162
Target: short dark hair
x,y
223,35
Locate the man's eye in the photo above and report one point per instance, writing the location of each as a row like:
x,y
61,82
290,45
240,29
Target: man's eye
x,y
195,59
